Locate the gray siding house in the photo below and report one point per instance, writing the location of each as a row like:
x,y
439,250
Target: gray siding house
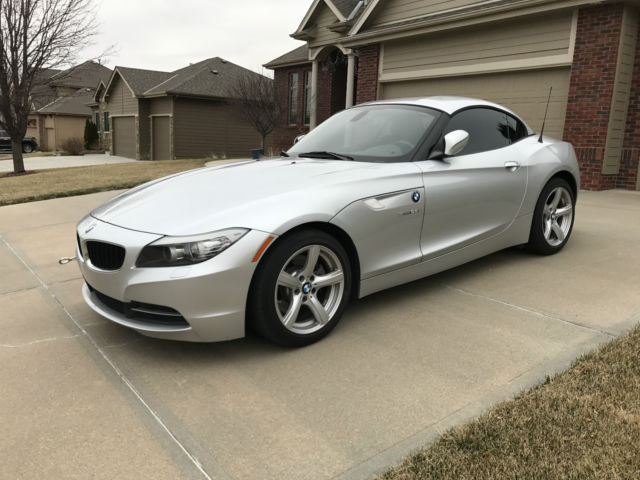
x,y
187,113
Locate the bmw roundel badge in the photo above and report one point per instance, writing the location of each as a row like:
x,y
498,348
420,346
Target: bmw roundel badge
x,y
416,197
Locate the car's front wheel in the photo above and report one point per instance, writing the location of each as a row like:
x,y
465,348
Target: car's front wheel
x,y
27,148
300,289
553,218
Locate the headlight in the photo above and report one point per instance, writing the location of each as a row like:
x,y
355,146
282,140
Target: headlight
x,y
177,251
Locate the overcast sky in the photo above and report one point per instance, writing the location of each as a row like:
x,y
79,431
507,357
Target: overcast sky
x,y
170,34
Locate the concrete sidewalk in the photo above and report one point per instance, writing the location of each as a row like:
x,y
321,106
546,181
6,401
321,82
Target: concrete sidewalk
x,y
84,398
62,161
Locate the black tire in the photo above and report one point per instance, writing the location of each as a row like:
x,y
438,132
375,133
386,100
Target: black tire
x,y
270,301
543,238
27,148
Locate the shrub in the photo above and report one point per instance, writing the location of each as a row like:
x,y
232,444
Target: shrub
x,y
73,146
90,135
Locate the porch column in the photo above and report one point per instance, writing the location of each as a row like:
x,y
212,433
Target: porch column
x,y
351,73
313,121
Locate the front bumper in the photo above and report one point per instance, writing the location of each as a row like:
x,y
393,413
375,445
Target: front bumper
x,y
205,302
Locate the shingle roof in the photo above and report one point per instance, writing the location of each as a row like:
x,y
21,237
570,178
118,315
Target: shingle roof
x,y
142,80
85,75
294,57
212,77
41,93
76,104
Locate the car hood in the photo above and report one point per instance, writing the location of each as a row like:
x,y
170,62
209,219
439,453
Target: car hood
x,y
267,195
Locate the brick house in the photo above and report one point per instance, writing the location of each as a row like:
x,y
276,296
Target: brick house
x,y
507,51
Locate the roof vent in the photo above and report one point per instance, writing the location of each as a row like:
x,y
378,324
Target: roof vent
x,y
215,72
223,60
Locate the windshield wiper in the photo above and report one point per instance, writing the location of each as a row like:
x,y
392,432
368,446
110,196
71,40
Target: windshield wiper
x,y
284,154
332,155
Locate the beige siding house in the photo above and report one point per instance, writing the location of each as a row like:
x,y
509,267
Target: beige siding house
x,y
60,103
187,113
508,51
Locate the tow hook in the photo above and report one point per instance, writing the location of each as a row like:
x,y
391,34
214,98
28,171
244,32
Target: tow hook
x,y
65,260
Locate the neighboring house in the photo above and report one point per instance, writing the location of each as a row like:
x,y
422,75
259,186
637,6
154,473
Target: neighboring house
x,y
507,51
181,114
60,103
64,119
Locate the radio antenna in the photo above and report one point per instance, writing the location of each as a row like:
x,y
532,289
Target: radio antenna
x,y
545,115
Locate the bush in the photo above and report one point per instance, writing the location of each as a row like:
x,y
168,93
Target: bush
x,y
91,136
73,146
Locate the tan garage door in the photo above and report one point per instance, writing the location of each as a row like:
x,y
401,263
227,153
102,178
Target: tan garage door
x,y
524,92
124,137
160,129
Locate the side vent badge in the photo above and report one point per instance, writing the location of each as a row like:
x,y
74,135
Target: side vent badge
x,y
416,197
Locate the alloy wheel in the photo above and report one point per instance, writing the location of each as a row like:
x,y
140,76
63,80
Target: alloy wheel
x,y
309,289
557,216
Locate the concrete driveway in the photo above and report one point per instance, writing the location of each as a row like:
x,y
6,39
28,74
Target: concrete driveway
x,y
62,161
83,398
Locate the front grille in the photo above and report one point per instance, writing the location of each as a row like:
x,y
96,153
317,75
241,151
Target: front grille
x,y
105,256
143,312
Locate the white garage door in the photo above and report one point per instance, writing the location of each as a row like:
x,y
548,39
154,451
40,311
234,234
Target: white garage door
x,y
524,92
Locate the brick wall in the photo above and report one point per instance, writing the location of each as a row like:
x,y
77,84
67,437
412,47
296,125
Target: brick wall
x,y
367,86
591,89
283,133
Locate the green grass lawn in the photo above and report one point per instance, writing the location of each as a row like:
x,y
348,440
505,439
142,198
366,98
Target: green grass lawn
x,y
581,424
65,182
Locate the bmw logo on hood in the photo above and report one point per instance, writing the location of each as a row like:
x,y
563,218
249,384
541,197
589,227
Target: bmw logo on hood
x,y
416,197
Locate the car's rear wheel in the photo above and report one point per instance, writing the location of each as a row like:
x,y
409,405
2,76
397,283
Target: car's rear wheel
x,y
553,218
27,148
300,289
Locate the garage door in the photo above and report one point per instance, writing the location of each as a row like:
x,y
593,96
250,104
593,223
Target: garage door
x,y
124,137
160,129
524,92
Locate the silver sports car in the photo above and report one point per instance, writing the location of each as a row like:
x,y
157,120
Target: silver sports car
x,y
378,195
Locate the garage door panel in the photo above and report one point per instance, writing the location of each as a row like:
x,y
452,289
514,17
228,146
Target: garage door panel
x,y
124,137
160,129
524,92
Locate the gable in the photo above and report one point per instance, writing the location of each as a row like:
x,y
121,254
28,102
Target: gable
x,y
400,10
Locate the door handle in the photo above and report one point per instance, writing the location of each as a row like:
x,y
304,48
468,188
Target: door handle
x,y
512,166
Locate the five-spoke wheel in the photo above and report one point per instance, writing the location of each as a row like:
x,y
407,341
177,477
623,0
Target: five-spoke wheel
x,y
300,288
553,218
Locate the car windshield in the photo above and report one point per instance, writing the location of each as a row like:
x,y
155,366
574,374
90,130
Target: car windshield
x,y
374,133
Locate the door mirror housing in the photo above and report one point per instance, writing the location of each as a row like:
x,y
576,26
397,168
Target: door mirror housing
x,y
454,142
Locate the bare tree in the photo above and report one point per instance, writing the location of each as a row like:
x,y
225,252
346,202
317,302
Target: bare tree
x,y
252,98
35,34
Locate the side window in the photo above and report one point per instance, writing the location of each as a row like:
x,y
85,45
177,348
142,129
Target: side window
x,y
488,129
517,130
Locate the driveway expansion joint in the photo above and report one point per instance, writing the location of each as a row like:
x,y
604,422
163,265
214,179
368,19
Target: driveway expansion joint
x,y
164,427
532,311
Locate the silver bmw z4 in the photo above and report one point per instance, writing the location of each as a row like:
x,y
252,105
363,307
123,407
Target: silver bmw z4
x,y
378,195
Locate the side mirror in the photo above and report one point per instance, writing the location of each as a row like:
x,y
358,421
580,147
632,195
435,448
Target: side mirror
x,y
454,142
298,138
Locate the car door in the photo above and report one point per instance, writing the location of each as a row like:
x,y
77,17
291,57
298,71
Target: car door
x,y
477,193
5,140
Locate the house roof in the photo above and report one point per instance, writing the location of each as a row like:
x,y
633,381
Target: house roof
x,y
346,12
84,75
75,104
41,93
213,77
294,57
140,80
346,7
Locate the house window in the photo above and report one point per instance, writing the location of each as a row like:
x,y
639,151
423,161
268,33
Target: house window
x,y
307,97
98,121
106,121
293,98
